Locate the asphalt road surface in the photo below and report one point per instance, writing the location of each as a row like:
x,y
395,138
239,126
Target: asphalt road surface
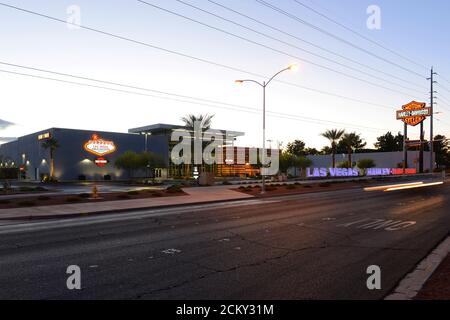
x,y
315,246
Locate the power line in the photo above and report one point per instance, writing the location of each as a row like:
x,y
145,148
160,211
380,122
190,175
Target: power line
x,y
445,79
308,42
444,97
240,109
446,102
359,34
441,86
302,40
114,83
293,117
199,59
442,121
147,89
279,10
282,52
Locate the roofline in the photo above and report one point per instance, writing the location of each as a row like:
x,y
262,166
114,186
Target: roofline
x,y
164,126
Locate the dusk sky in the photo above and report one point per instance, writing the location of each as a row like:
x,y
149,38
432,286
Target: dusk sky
x,y
417,30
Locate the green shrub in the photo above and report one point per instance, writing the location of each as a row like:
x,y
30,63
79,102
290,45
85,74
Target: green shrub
x,y
343,165
366,164
158,194
43,198
174,189
40,189
47,179
226,183
133,193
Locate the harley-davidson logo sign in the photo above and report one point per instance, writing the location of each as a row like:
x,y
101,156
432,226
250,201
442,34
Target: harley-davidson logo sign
x,y
99,147
101,162
413,113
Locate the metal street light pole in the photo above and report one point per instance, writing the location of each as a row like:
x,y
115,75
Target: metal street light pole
x,y
264,84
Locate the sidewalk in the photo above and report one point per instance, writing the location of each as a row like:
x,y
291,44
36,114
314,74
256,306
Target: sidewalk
x,y
430,280
438,286
194,196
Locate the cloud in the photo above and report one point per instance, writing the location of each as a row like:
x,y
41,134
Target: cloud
x,y
5,124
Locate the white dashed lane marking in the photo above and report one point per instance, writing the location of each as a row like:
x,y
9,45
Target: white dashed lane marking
x,y
171,251
379,224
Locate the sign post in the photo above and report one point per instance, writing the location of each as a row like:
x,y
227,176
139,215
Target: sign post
x,y
421,148
405,147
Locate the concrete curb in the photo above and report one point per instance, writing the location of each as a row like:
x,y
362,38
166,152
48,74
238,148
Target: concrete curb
x,y
414,281
113,211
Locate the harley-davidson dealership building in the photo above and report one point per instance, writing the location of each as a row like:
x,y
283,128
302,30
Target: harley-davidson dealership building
x,y
91,155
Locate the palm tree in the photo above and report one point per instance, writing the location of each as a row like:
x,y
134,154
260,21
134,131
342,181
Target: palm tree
x,y
189,123
51,145
204,120
333,136
352,141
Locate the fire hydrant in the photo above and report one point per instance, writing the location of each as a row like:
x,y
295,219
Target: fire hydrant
x,y
94,192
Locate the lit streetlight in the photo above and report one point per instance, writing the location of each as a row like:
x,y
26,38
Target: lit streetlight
x,y
264,84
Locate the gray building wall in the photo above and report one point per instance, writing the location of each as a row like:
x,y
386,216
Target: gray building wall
x,y
71,160
381,159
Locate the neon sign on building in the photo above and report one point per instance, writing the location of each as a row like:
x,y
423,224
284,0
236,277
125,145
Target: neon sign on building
x,y
99,146
352,172
332,172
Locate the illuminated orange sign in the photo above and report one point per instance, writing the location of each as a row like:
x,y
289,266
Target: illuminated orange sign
x,y
414,113
99,146
401,172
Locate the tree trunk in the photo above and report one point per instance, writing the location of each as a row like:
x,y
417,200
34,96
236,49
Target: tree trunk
x,y
350,164
52,165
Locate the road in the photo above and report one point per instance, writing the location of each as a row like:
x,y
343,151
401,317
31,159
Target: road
x,y
315,246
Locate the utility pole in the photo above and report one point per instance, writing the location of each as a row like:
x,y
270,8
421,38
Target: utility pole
x,y
432,92
263,168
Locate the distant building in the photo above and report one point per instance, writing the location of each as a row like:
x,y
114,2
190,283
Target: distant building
x,y
90,155
381,159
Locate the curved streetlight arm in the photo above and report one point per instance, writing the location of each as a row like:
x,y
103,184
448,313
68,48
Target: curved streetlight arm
x,y
276,74
248,80
265,83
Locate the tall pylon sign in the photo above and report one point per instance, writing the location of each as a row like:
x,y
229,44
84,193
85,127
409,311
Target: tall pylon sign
x,y
413,114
